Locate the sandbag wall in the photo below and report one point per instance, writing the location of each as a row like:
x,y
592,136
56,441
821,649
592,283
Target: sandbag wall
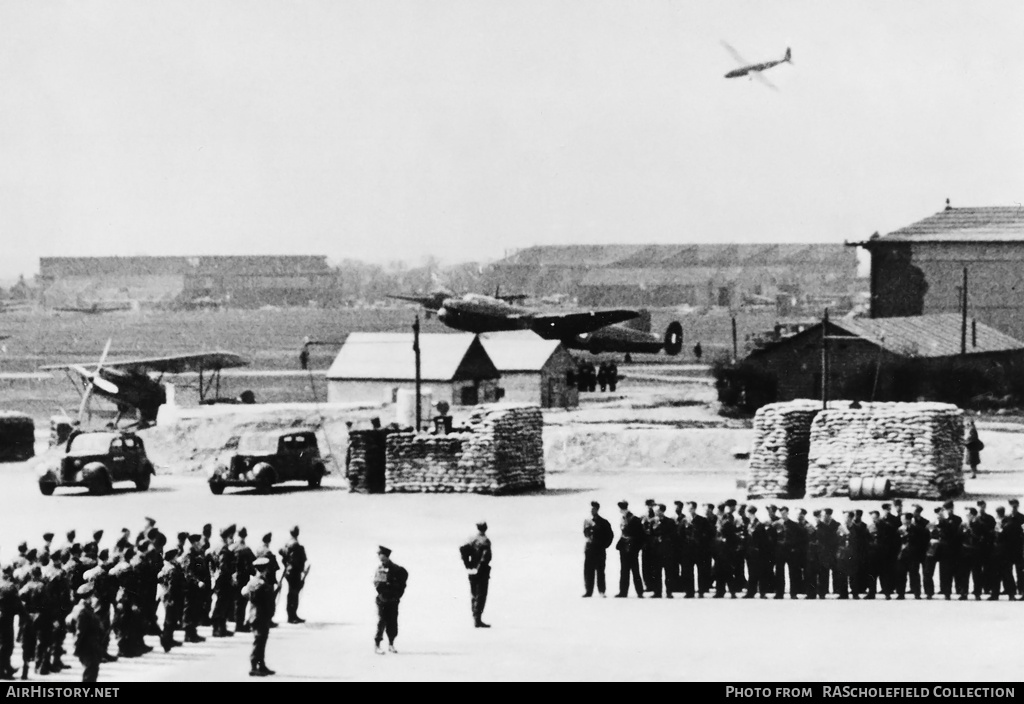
x,y
782,433
365,461
501,452
917,446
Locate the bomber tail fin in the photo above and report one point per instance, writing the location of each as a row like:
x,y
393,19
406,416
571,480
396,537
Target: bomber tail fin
x,y
673,338
789,56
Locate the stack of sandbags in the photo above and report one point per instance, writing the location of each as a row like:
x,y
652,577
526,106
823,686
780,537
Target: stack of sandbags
x,y
500,451
917,446
424,463
782,433
17,436
364,460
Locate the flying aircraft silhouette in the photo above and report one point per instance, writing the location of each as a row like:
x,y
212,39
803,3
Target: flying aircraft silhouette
x,y
754,70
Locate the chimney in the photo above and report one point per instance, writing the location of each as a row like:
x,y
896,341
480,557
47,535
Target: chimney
x,y
948,206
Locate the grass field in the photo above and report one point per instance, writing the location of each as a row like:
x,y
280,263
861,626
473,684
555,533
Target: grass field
x,y
272,338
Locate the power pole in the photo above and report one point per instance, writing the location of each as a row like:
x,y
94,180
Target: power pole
x,y
824,361
735,346
416,350
963,315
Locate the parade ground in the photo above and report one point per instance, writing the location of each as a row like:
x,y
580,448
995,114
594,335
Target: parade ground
x,y
542,628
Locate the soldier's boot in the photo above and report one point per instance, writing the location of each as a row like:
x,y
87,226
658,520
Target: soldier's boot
x,y
266,670
377,649
24,671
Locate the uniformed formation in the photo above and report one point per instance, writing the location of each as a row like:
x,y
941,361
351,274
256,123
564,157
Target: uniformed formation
x,y
743,550
111,597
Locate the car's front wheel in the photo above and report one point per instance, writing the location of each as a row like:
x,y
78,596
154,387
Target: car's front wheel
x,y
46,488
102,485
216,488
142,482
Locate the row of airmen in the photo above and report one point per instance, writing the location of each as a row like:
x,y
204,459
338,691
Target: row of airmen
x,y
198,582
730,548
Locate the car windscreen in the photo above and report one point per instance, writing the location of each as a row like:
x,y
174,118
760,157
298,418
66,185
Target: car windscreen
x,y
91,444
257,444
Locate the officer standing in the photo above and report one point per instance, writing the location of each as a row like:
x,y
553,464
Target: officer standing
x,y
476,556
196,582
759,544
10,606
1008,543
171,580
908,559
266,551
260,593
390,581
630,539
597,532
243,571
32,599
90,646
1017,518
222,572
790,538
293,557
828,543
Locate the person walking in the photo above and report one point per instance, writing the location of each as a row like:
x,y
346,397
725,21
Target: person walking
x,y
476,556
90,640
390,581
974,446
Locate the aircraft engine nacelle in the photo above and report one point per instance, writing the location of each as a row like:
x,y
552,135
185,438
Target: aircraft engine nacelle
x,y
674,338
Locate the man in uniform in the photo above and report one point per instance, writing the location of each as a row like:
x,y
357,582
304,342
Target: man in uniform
x,y
47,544
90,646
171,579
790,541
985,537
10,606
648,558
221,560
196,580
908,559
260,593
144,533
476,556
390,581
949,548
1018,559
597,532
293,558
828,544
206,590
244,570
812,566
759,544
58,589
664,535
630,539
266,551
1008,543
32,599
702,540
860,553
888,542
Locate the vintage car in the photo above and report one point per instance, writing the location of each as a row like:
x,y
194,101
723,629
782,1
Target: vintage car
x,y
261,460
97,460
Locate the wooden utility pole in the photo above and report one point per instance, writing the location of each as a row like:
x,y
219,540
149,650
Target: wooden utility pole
x,y
735,346
824,361
963,315
416,350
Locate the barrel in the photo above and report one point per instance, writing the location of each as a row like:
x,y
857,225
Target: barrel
x,y
869,488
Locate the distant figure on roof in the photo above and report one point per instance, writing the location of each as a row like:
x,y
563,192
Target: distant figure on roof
x,y
698,351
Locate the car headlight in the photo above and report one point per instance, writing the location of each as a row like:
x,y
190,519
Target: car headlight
x,y
216,470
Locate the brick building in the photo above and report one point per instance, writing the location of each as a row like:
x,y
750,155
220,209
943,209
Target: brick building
x,y
866,357
919,269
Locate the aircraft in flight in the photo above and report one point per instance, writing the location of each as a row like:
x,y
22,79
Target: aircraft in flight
x,y
130,383
434,301
617,330
754,70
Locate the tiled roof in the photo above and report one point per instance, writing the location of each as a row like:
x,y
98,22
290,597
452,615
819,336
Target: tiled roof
x,y
995,224
518,351
926,335
389,355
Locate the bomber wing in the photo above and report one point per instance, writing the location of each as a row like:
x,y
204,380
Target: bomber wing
x,y
559,326
171,364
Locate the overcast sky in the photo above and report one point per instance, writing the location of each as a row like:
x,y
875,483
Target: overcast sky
x,y
388,130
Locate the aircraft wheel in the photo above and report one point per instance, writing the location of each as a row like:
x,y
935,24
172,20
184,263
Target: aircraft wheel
x,y
46,488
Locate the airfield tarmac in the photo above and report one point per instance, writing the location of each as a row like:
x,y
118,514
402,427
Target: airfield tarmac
x,y
542,628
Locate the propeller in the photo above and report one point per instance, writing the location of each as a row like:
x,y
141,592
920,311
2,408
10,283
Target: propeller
x,y
95,381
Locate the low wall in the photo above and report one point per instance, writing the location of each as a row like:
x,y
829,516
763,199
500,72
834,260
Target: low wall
x,y
502,453
918,446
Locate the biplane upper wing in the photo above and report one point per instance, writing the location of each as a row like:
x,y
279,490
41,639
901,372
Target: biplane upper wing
x,y
559,326
171,364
